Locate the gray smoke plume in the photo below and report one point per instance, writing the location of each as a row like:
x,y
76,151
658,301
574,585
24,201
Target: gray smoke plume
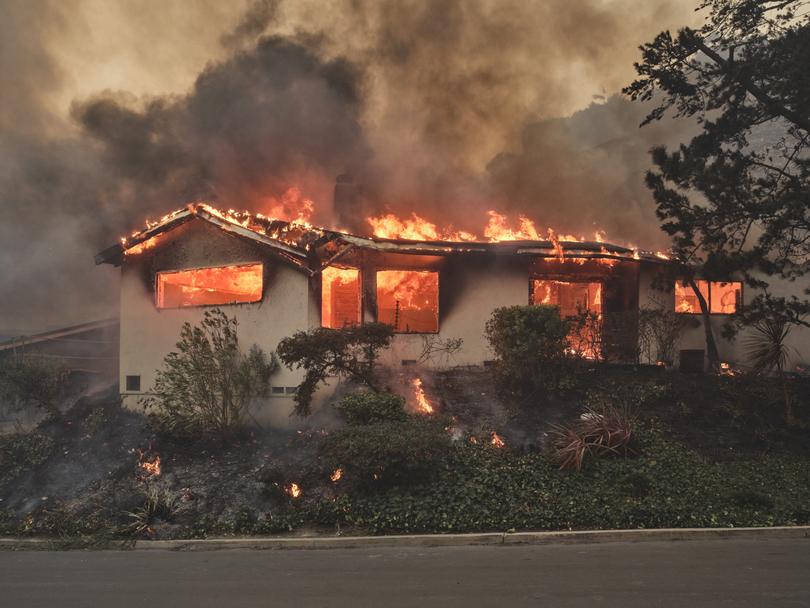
x,y
446,108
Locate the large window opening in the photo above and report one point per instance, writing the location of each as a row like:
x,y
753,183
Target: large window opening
x,y
408,300
209,286
722,298
581,301
572,297
340,297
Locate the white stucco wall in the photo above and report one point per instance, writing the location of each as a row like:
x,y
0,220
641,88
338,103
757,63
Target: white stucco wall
x,y
731,351
148,333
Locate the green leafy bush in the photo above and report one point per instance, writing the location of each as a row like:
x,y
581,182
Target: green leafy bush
x,y
349,353
368,408
29,381
387,452
22,451
208,383
529,343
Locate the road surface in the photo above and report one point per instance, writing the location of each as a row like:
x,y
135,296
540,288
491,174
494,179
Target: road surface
x,y
738,573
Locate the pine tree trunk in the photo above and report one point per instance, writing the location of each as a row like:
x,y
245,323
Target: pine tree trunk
x,y
711,345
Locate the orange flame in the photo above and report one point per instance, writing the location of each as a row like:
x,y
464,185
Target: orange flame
x,y
291,207
340,297
336,475
422,403
293,490
497,441
408,299
151,468
415,228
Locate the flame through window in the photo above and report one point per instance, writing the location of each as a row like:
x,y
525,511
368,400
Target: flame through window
x,y
723,298
408,300
209,286
340,297
571,297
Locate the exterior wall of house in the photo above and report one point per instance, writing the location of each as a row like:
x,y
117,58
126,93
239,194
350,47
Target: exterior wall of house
x,y
469,292
149,333
730,351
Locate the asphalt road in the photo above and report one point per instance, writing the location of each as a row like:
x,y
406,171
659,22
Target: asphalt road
x,y
738,573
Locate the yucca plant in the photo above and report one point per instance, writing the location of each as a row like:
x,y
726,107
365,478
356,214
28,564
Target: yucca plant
x,y
159,503
768,352
598,432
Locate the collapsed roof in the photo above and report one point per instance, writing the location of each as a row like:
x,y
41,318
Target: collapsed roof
x,y
311,248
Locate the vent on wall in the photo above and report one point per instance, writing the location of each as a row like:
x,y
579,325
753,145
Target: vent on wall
x,y
133,383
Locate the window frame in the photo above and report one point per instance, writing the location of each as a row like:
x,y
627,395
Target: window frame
x,y
130,379
709,299
156,284
438,274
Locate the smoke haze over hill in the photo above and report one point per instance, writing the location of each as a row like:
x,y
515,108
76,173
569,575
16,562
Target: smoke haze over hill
x,y
446,108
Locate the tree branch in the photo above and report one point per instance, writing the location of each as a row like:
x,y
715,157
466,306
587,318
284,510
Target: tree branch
x,y
760,95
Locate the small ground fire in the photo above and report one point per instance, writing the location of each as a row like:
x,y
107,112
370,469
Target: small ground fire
x,y
422,403
149,467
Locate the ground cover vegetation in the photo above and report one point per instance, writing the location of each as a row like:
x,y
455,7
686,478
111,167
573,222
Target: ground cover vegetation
x,y
613,446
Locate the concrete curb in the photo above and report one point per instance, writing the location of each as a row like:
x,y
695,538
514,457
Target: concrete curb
x,y
429,540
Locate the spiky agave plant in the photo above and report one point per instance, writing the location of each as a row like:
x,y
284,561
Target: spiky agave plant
x,y
768,351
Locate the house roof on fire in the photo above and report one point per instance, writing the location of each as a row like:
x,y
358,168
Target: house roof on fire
x,y
311,248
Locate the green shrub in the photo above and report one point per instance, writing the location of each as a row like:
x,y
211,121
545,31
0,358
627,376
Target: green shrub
x,y
29,381
273,478
208,383
369,407
529,343
159,504
387,452
349,353
22,451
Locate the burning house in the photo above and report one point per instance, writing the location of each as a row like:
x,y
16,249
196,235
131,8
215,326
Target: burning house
x,y
279,277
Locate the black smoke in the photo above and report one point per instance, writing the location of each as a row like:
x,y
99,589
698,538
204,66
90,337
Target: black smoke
x,y
446,108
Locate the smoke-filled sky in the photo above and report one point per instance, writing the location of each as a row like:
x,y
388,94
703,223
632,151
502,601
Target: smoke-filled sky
x,y
112,112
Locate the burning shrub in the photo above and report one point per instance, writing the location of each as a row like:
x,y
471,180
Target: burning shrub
x,y
603,432
530,344
32,382
387,452
368,408
207,385
349,353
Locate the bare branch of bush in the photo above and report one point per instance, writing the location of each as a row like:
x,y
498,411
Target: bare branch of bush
x,y
435,348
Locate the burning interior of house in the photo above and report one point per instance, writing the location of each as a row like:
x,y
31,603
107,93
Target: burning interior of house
x,y
280,277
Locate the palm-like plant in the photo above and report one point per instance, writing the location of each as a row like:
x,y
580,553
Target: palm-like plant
x,y
768,351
